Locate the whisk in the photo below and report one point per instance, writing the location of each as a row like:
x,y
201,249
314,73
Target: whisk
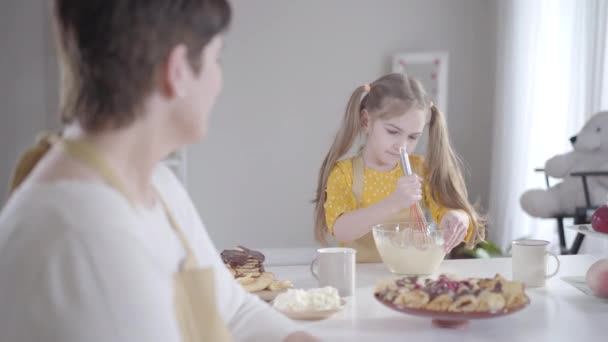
x,y
418,222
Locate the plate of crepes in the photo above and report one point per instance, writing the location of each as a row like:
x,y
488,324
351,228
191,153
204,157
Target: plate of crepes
x,y
247,267
451,302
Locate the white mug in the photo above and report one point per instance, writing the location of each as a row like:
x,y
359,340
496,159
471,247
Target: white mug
x,y
530,262
335,267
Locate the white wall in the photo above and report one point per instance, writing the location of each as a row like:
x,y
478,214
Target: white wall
x,y
290,67
25,95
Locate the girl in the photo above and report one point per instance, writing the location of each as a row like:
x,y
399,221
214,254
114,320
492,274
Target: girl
x,y
99,241
390,113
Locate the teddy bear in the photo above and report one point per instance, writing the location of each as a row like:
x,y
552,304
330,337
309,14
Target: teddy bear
x,y
590,153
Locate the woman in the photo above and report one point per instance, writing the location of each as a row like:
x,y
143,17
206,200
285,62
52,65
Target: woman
x,y
99,242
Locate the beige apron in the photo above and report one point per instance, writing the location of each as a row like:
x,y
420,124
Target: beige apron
x,y
194,287
367,252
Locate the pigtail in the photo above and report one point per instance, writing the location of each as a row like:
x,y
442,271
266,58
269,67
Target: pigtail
x,y
445,175
343,142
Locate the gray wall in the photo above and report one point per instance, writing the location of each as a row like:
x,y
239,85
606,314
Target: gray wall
x,y
290,67
27,78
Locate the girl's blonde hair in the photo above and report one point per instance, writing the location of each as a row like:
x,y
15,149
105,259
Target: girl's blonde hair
x,y
387,97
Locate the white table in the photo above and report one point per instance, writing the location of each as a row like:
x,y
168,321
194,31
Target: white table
x,y
558,312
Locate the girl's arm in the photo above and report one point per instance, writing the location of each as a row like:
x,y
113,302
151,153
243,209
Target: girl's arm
x,y
355,224
350,223
438,212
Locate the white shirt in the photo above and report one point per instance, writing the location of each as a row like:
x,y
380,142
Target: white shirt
x,y
79,263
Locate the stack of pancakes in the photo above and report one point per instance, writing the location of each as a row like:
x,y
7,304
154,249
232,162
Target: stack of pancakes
x,y
247,266
243,262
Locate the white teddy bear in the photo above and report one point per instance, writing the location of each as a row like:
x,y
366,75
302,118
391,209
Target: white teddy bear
x,y
590,154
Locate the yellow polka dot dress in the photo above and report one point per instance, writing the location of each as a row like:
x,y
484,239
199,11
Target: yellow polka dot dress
x,y
377,186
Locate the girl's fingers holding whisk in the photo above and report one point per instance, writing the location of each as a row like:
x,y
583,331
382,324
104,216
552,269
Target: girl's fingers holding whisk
x,y
459,235
452,242
463,233
447,236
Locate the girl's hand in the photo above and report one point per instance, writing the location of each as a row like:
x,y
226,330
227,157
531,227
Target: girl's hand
x,y
455,224
407,192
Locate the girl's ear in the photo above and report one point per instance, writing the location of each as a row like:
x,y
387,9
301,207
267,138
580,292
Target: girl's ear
x,y
365,121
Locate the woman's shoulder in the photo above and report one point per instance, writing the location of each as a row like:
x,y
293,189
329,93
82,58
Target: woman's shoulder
x,y
64,207
87,210
44,223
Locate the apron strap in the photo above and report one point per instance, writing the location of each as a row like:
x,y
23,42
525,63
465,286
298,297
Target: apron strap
x,y
358,178
190,261
89,155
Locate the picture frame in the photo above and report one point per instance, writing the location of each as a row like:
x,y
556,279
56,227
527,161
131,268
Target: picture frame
x,y
431,69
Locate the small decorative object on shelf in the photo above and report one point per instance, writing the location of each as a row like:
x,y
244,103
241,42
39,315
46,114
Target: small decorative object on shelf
x,y
176,161
431,68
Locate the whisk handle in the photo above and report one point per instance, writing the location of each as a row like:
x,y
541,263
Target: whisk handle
x,y
405,162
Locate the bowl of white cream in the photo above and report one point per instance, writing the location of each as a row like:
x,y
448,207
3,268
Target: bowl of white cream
x,y
312,304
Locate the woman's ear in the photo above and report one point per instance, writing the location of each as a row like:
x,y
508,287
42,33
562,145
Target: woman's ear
x,y
175,73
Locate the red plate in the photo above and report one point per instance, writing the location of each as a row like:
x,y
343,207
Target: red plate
x,y
446,319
